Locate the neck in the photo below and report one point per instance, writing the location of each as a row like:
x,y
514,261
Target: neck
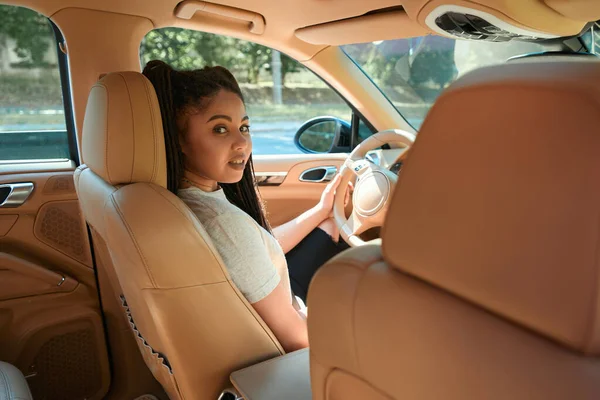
x,y
192,179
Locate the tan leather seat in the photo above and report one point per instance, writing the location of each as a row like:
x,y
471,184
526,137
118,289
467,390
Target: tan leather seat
x,y
191,323
488,282
13,385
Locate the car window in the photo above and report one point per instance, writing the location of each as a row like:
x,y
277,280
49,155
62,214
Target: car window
x,y
591,39
32,114
413,72
280,93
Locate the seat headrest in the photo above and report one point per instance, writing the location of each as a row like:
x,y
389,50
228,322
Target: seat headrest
x,y
499,201
123,139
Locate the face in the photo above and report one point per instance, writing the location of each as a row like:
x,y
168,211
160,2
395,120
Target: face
x,y
217,143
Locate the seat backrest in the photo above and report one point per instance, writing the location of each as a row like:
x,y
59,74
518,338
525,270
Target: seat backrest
x,y
487,282
191,323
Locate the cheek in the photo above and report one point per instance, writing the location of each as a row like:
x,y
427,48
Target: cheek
x,y
202,155
196,147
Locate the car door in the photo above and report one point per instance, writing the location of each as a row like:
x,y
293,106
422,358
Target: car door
x,y
51,324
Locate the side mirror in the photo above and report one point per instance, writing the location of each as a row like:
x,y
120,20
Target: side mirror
x,y
324,135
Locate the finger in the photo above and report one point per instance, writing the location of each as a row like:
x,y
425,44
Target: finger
x,y
335,182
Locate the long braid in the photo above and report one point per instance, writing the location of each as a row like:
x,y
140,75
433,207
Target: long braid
x,y
244,194
182,92
160,74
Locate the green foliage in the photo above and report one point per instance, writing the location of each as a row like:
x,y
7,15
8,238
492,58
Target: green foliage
x,y
288,65
31,32
188,49
433,67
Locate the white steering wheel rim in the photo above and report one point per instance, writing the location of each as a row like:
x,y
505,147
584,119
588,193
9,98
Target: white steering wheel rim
x,y
350,228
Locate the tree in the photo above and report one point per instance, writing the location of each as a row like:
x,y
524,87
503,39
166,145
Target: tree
x,y
288,65
28,29
256,57
188,49
175,46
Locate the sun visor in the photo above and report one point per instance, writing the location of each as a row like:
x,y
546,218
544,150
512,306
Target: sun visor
x,y
363,29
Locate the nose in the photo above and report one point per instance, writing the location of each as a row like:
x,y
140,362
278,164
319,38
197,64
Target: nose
x,y
241,141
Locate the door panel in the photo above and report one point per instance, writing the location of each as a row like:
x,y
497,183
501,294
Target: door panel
x,y
292,197
50,322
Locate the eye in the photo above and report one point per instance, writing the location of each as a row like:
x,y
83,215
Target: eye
x,y
220,129
245,129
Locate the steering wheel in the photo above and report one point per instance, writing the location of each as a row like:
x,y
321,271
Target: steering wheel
x,y
373,189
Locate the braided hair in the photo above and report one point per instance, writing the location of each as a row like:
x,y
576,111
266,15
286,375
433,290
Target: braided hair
x,y
183,93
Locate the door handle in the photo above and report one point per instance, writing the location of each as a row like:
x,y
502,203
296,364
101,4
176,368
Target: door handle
x,y
318,174
14,194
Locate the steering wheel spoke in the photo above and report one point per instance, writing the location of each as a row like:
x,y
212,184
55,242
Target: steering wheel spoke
x,y
373,189
354,226
358,167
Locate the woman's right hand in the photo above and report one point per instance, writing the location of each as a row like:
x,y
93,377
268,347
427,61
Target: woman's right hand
x,y
328,196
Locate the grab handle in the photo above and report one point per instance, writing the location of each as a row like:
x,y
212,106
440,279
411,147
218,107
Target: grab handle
x,y
186,10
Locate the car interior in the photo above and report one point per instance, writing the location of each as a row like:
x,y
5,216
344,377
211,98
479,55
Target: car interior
x,y
473,267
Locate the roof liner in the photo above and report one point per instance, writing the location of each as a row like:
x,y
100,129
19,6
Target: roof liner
x,y
324,22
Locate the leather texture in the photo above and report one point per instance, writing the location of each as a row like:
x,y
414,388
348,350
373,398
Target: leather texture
x,y
130,377
13,385
191,323
117,103
487,282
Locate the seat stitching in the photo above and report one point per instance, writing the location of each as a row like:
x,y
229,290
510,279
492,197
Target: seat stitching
x,y
185,216
250,309
133,238
359,378
107,131
154,136
133,126
188,286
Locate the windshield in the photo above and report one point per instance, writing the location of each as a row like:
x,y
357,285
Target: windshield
x,y
413,72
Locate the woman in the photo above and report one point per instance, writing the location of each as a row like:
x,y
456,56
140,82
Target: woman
x,y
208,145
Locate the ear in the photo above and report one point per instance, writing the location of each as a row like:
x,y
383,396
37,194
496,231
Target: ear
x,y
182,142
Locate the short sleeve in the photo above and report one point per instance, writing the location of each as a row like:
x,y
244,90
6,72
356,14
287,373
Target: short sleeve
x,y
240,244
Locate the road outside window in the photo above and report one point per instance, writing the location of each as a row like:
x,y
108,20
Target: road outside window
x,y
32,119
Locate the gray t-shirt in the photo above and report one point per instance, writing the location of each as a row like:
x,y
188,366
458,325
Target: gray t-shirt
x,y
253,257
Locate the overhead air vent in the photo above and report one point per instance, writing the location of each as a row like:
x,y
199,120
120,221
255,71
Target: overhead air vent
x,y
465,23
467,26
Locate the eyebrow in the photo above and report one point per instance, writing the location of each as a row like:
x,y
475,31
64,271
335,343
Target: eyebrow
x,y
227,117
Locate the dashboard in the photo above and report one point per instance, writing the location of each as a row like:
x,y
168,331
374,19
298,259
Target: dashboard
x,y
396,167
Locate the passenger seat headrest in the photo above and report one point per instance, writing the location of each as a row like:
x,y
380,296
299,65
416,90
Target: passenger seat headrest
x,y
499,200
123,139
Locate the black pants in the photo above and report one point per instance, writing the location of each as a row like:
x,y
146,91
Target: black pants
x,y
306,258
